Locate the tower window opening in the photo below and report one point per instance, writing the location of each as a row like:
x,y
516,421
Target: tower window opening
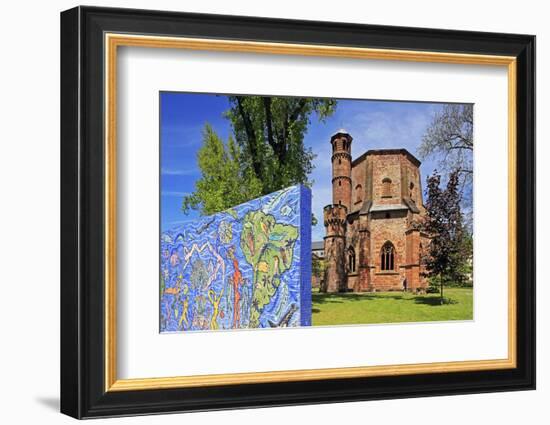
x,y
339,182
386,188
387,257
351,259
358,194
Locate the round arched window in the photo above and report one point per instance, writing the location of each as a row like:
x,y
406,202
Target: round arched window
x,y
387,256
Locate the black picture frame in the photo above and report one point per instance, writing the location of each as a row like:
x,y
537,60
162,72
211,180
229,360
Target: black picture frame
x,y
83,392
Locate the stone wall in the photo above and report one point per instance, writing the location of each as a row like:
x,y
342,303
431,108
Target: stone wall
x,y
378,212
388,227
386,167
335,245
359,185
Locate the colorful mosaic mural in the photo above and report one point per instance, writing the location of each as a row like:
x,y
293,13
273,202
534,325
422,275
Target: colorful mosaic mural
x,y
246,267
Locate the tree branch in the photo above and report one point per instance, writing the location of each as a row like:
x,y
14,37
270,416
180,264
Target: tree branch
x,y
251,137
467,142
298,110
269,125
470,148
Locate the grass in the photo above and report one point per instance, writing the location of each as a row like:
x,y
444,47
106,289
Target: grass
x,y
391,307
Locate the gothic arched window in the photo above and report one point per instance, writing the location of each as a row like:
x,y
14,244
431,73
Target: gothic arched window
x,y
387,255
358,193
386,188
351,259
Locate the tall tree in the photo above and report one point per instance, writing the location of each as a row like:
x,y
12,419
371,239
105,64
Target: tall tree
x,y
450,135
270,133
223,182
449,138
266,154
448,251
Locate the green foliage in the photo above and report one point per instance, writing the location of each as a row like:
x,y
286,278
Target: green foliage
x,y
270,132
433,289
318,266
465,269
265,154
450,250
223,183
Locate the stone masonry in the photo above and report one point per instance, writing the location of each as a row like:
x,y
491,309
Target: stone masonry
x,y
373,239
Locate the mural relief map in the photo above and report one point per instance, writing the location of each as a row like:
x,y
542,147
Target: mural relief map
x,y
246,267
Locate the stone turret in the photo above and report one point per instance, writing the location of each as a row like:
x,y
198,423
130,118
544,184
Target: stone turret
x,y
335,215
334,218
341,168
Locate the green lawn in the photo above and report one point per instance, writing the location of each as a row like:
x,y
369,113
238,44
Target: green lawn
x,y
391,307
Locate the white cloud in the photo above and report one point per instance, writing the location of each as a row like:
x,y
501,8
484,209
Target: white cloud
x,y
400,127
384,130
174,193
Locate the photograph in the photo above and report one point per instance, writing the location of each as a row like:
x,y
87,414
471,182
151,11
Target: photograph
x,y
290,209
298,211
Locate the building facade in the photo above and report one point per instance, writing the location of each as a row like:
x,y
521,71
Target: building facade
x,y
317,256
373,240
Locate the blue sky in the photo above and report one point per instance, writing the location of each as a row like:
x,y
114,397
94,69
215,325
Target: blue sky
x,y
373,125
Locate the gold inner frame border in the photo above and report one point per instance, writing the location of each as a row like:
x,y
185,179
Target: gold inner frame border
x,y
112,41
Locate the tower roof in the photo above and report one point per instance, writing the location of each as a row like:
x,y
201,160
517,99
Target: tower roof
x,y
341,132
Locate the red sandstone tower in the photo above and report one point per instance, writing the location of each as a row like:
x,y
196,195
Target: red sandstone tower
x,y
335,215
341,168
373,238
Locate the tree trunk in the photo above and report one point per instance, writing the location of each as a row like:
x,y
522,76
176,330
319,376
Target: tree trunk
x,y
441,288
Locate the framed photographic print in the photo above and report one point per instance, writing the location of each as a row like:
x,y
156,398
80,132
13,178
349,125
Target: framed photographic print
x,y
261,212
